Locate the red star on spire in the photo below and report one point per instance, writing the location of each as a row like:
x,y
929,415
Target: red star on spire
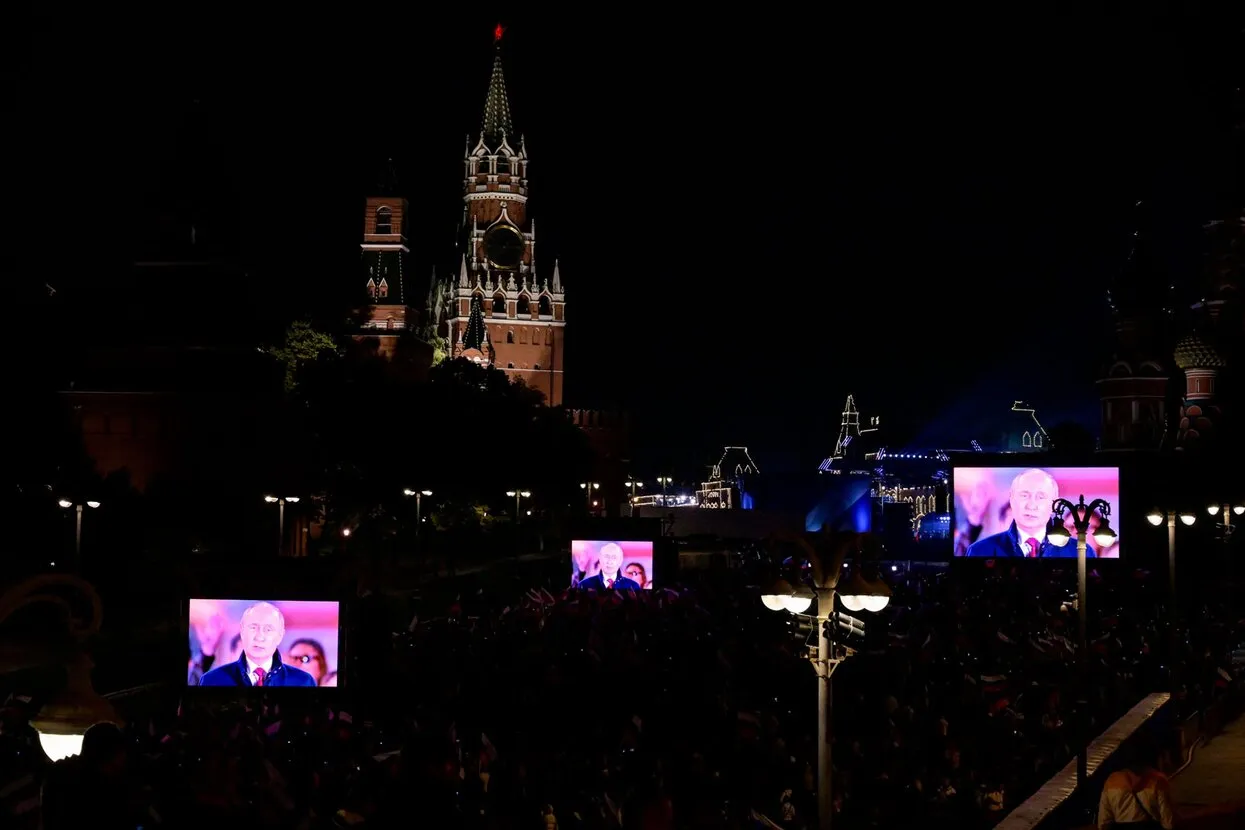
x,y
498,31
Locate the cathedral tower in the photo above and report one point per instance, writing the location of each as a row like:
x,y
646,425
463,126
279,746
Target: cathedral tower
x,y
503,313
1133,390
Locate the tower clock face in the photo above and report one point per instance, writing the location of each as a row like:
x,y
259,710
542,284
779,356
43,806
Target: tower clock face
x,y
503,246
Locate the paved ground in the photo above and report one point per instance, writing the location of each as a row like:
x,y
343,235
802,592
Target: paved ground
x,y
1217,774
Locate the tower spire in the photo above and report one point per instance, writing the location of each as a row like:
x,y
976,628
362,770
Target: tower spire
x,y
496,123
849,427
476,336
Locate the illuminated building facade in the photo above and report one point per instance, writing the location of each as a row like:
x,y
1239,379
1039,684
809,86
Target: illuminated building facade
x,y
728,484
499,310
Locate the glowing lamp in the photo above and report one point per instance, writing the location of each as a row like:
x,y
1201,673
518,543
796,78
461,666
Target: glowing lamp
x,y
1056,533
860,594
799,600
1239,509
1188,519
1104,535
1154,517
1213,510
775,597
64,720
783,596
774,602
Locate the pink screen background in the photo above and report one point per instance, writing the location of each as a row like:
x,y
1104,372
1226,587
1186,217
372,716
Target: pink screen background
x,y
584,558
314,620
983,492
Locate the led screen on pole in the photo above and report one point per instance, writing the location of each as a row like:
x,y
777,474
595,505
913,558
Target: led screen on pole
x,y
605,565
1004,511
269,643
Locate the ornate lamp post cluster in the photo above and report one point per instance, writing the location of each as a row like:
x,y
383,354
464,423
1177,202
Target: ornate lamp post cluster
x,y
858,593
1083,516
64,719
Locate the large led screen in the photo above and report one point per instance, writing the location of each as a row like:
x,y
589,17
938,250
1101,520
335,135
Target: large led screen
x,y
619,566
1004,511
269,643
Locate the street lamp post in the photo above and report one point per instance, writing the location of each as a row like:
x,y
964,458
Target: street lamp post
x,y
419,507
1188,518
281,502
859,593
633,485
1057,532
518,496
589,487
77,535
664,481
419,526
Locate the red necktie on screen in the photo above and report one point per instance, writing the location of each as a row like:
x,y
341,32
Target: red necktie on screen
x,y
259,676
609,583
1033,547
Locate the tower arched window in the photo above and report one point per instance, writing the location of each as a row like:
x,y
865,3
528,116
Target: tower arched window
x,y
548,337
1037,439
510,337
383,288
482,165
499,304
1026,440
503,164
371,288
546,307
384,220
524,308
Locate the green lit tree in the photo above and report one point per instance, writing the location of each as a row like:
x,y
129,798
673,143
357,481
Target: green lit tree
x,y
303,345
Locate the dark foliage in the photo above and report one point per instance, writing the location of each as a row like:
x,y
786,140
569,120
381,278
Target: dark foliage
x,y
468,434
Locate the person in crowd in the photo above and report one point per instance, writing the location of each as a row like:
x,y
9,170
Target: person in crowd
x,y
262,628
610,576
1031,496
1137,797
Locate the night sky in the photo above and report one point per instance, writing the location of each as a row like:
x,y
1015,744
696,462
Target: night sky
x,y
755,215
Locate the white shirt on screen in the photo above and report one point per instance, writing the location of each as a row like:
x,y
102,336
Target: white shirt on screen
x,y
1024,537
251,666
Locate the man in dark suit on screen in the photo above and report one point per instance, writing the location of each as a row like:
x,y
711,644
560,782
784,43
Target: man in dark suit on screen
x,y
1032,495
609,579
262,628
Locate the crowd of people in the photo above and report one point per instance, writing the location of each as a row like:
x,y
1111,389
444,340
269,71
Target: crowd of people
x,y
686,706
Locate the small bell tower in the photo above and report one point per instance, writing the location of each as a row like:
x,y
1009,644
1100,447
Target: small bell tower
x,y
385,314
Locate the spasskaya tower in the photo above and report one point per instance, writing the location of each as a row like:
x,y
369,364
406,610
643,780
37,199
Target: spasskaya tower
x,y
505,311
